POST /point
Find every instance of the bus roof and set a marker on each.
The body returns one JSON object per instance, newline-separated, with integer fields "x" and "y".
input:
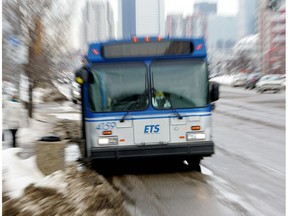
{"x": 146, "y": 48}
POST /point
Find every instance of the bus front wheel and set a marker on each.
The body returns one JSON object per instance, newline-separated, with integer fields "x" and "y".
{"x": 194, "y": 164}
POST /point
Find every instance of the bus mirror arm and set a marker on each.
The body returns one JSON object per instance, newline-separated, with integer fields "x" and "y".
{"x": 81, "y": 75}
{"x": 213, "y": 91}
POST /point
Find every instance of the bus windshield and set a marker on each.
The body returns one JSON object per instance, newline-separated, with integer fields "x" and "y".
{"x": 179, "y": 84}
{"x": 118, "y": 87}
{"x": 123, "y": 87}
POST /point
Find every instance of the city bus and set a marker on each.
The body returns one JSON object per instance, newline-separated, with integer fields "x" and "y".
{"x": 147, "y": 97}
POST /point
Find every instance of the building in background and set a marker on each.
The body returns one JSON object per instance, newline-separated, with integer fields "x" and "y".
{"x": 192, "y": 25}
{"x": 196, "y": 26}
{"x": 272, "y": 32}
{"x": 205, "y": 8}
{"x": 277, "y": 52}
{"x": 247, "y": 15}
{"x": 221, "y": 32}
{"x": 126, "y": 18}
{"x": 175, "y": 25}
{"x": 98, "y": 22}
{"x": 141, "y": 18}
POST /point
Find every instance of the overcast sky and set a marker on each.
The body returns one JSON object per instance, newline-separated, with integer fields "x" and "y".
{"x": 225, "y": 8}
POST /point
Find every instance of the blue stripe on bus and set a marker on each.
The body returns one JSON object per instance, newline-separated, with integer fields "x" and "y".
{"x": 149, "y": 111}
{"x": 142, "y": 118}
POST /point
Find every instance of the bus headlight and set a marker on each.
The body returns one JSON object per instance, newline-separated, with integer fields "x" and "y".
{"x": 108, "y": 141}
{"x": 195, "y": 136}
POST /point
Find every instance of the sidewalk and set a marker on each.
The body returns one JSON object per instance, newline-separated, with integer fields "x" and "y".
{"x": 40, "y": 126}
{"x": 27, "y": 137}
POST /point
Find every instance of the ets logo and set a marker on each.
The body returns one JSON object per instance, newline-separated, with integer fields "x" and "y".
{"x": 151, "y": 129}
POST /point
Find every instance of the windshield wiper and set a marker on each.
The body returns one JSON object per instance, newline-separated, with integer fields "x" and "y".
{"x": 135, "y": 104}
{"x": 176, "y": 113}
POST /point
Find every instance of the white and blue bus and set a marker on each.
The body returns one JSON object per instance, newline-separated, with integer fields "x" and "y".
{"x": 147, "y": 98}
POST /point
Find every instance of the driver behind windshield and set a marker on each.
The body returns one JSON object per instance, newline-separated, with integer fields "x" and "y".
{"x": 160, "y": 101}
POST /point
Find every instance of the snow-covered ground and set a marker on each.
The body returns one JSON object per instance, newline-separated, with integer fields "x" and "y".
{"x": 64, "y": 89}
{"x": 224, "y": 79}
{"x": 19, "y": 172}
{"x": 76, "y": 190}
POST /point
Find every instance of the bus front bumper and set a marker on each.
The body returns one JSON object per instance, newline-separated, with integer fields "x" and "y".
{"x": 198, "y": 149}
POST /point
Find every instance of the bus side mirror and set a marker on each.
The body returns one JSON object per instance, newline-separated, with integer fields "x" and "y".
{"x": 81, "y": 75}
{"x": 214, "y": 91}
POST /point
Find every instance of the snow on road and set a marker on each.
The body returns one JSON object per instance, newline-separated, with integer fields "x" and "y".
{"x": 64, "y": 89}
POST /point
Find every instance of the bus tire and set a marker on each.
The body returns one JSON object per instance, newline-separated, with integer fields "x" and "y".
{"x": 194, "y": 164}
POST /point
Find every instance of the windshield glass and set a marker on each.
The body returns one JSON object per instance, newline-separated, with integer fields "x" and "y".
{"x": 118, "y": 87}
{"x": 179, "y": 84}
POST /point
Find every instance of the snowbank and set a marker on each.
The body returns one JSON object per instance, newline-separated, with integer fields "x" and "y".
{"x": 64, "y": 89}
{"x": 224, "y": 80}
{"x": 38, "y": 94}
{"x": 18, "y": 173}
{"x": 75, "y": 191}
{"x": 41, "y": 95}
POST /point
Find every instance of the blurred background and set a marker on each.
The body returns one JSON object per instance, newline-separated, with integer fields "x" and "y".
{"x": 44, "y": 41}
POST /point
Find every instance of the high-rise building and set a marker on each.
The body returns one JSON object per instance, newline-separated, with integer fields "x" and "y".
{"x": 127, "y": 18}
{"x": 247, "y": 18}
{"x": 141, "y": 18}
{"x": 98, "y": 22}
{"x": 175, "y": 25}
{"x": 196, "y": 26}
{"x": 272, "y": 40}
{"x": 205, "y": 8}
{"x": 221, "y": 32}
{"x": 278, "y": 42}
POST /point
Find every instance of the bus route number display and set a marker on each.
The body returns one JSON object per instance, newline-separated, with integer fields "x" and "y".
{"x": 144, "y": 49}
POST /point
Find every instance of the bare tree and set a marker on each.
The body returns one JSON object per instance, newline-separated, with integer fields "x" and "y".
{"x": 45, "y": 30}
{"x": 243, "y": 62}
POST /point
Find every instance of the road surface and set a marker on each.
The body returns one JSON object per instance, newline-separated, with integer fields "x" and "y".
{"x": 245, "y": 176}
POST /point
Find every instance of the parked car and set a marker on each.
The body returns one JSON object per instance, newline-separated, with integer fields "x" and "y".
{"x": 239, "y": 79}
{"x": 251, "y": 80}
{"x": 75, "y": 92}
{"x": 284, "y": 81}
{"x": 270, "y": 82}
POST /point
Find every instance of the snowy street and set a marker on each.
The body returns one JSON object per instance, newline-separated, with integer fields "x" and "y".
{"x": 144, "y": 108}
{"x": 245, "y": 176}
